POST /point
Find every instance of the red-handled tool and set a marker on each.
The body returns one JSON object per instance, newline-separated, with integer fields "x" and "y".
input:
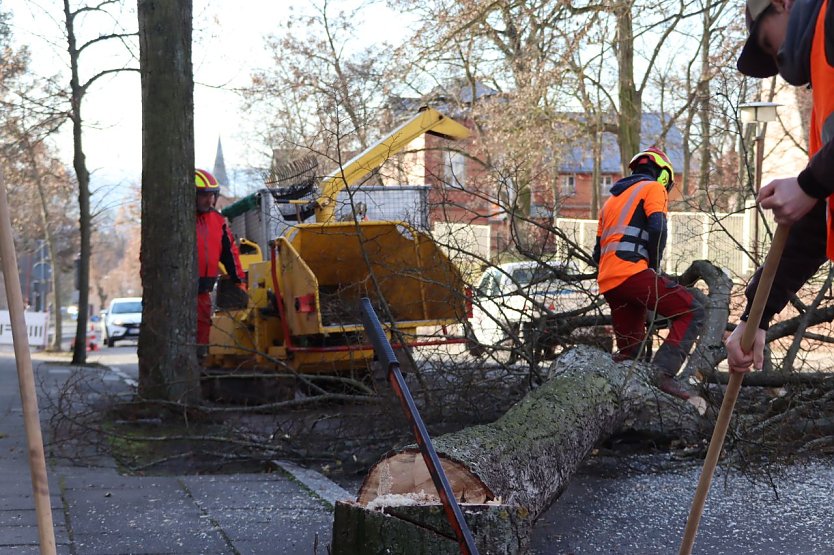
{"x": 385, "y": 354}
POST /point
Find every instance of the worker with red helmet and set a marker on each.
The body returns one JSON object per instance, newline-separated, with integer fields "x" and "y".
{"x": 215, "y": 244}
{"x": 631, "y": 236}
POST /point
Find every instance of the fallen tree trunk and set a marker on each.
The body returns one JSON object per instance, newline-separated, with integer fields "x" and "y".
{"x": 525, "y": 458}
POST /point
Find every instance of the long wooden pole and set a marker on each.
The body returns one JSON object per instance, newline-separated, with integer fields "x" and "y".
{"x": 26, "y": 377}
{"x": 733, "y": 387}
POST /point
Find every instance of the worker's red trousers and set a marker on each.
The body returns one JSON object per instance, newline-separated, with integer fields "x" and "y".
{"x": 631, "y": 300}
{"x": 203, "y": 317}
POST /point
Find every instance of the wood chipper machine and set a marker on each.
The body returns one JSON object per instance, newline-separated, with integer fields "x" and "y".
{"x": 303, "y": 308}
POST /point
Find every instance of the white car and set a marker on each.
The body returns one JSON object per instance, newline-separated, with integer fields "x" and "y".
{"x": 121, "y": 320}
{"x": 509, "y": 294}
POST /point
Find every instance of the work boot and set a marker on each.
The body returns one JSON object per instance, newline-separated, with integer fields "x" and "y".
{"x": 668, "y": 384}
{"x": 639, "y": 354}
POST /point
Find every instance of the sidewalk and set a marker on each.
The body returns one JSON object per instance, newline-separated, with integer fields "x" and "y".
{"x": 98, "y": 511}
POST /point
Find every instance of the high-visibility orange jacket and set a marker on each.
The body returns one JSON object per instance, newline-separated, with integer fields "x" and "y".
{"x": 216, "y": 244}
{"x": 822, "y": 122}
{"x": 807, "y": 57}
{"x": 631, "y": 231}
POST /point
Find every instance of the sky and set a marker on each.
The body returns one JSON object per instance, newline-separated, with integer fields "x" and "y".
{"x": 229, "y": 44}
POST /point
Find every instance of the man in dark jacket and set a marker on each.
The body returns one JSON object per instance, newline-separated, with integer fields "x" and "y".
{"x": 795, "y": 39}
{"x": 631, "y": 236}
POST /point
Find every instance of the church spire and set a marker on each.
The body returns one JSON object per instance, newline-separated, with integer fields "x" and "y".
{"x": 220, "y": 169}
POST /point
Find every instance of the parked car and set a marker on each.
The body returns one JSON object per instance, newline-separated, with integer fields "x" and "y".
{"x": 518, "y": 306}
{"x": 121, "y": 320}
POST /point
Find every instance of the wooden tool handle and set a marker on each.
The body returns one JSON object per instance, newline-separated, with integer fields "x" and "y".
{"x": 28, "y": 394}
{"x": 733, "y": 387}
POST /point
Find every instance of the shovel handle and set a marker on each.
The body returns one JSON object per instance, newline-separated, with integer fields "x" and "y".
{"x": 733, "y": 388}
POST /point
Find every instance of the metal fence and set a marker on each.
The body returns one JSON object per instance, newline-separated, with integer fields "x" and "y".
{"x": 263, "y": 221}
{"x": 727, "y": 240}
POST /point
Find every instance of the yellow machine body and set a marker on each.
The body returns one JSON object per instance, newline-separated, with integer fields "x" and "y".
{"x": 303, "y": 312}
{"x": 319, "y": 274}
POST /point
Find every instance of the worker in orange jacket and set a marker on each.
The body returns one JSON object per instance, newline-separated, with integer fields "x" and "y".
{"x": 215, "y": 244}
{"x": 631, "y": 236}
{"x": 795, "y": 39}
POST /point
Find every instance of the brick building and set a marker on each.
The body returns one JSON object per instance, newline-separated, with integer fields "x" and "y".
{"x": 577, "y": 167}
{"x": 464, "y": 191}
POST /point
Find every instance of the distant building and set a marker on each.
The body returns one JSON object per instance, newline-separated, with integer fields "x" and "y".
{"x": 465, "y": 192}
{"x": 227, "y": 195}
{"x": 219, "y": 170}
{"x": 577, "y": 166}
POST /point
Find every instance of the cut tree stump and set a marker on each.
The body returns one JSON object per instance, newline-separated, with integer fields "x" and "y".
{"x": 523, "y": 460}
{"x": 424, "y": 530}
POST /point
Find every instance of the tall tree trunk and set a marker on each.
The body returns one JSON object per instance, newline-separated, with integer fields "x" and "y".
{"x": 167, "y": 358}
{"x": 597, "y": 171}
{"x": 631, "y": 104}
{"x": 687, "y": 154}
{"x": 704, "y": 104}
{"x": 79, "y": 352}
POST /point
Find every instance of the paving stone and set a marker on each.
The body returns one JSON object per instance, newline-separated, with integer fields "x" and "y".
{"x": 232, "y": 494}
{"x": 28, "y": 517}
{"x": 60, "y": 549}
{"x": 153, "y": 542}
{"x": 149, "y": 509}
{"x": 263, "y": 524}
{"x": 28, "y": 535}
{"x": 112, "y": 514}
{"x": 25, "y": 501}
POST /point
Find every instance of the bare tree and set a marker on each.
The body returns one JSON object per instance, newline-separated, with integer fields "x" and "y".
{"x": 78, "y": 89}
{"x": 48, "y": 178}
{"x": 167, "y": 357}
{"x": 33, "y": 168}
{"x": 323, "y": 94}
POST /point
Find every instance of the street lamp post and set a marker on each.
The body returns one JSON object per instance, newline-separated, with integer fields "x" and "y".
{"x": 758, "y": 114}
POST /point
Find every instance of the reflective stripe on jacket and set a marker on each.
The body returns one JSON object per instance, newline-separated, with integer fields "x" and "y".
{"x": 216, "y": 244}
{"x": 822, "y": 115}
{"x": 623, "y": 234}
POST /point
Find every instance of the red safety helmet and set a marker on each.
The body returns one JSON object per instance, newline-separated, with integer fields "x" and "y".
{"x": 657, "y": 157}
{"x": 206, "y": 182}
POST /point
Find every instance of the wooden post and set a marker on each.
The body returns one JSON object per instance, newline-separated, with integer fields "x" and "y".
{"x": 28, "y": 396}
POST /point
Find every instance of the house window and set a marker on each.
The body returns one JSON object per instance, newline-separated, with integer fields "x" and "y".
{"x": 455, "y": 169}
{"x": 568, "y": 185}
{"x": 605, "y": 185}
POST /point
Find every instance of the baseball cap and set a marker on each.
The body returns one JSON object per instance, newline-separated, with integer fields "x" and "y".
{"x": 753, "y": 61}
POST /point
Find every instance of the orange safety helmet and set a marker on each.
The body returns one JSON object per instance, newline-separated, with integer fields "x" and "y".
{"x": 657, "y": 157}
{"x": 206, "y": 182}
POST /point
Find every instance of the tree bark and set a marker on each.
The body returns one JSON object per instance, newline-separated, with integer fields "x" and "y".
{"x": 167, "y": 359}
{"x": 709, "y": 349}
